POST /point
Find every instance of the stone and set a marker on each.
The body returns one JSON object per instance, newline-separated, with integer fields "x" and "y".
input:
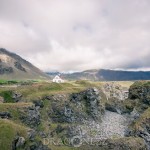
{"x": 31, "y": 135}
{"x": 18, "y": 142}
{"x": 16, "y": 96}
{"x": 31, "y": 116}
{"x": 5, "y": 115}
{"x": 38, "y": 103}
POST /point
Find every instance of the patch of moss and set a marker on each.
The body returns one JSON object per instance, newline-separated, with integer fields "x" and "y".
{"x": 8, "y": 131}
{"x": 7, "y": 95}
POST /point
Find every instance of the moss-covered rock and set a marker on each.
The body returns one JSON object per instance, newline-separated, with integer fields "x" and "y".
{"x": 141, "y": 127}
{"x": 140, "y": 90}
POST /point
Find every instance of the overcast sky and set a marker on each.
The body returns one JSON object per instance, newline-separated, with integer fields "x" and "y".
{"x": 75, "y": 35}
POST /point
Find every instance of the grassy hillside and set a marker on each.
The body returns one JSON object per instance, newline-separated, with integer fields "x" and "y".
{"x": 51, "y": 97}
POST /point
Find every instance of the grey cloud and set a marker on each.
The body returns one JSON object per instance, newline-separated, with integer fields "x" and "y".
{"x": 77, "y": 34}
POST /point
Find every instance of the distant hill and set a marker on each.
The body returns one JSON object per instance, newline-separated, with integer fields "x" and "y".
{"x": 107, "y": 75}
{"x": 13, "y": 67}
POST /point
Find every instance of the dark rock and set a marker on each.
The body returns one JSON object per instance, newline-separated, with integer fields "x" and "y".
{"x": 42, "y": 134}
{"x": 93, "y": 98}
{"x": 59, "y": 129}
{"x": 19, "y": 66}
{"x": 5, "y": 70}
{"x": 38, "y": 103}
{"x": 110, "y": 107}
{"x": 77, "y": 107}
{"x": 16, "y": 96}
{"x": 31, "y": 116}
{"x": 140, "y": 90}
{"x": 31, "y": 135}
{"x": 18, "y": 142}
{"x": 5, "y": 115}
{"x": 73, "y": 131}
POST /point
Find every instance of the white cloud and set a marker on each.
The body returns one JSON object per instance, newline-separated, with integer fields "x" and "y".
{"x": 77, "y": 34}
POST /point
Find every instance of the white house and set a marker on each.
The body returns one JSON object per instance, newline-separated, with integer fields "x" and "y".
{"x": 57, "y": 79}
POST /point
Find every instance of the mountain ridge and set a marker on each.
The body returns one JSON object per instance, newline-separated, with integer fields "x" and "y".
{"x": 105, "y": 75}
{"x": 12, "y": 66}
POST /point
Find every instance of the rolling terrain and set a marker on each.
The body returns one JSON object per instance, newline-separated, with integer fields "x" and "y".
{"x": 37, "y": 112}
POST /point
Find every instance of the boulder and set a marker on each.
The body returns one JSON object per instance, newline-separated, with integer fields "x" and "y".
{"x": 5, "y": 115}
{"x": 38, "y": 103}
{"x": 16, "y": 96}
{"x": 140, "y": 90}
{"x": 31, "y": 116}
{"x": 18, "y": 142}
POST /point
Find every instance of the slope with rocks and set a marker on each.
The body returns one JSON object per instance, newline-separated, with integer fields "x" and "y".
{"x": 13, "y": 67}
{"x": 73, "y": 111}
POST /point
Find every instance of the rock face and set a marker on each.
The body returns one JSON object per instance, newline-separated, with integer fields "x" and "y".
{"x": 31, "y": 116}
{"x": 83, "y": 105}
{"x": 113, "y": 90}
{"x": 19, "y": 66}
{"x": 139, "y": 94}
{"x": 18, "y": 143}
{"x": 5, "y": 115}
{"x": 140, "y": 90}
{"x": 94, "y": 108}
{"x": 5, "y": 70}
{"x": 16, "y": 96}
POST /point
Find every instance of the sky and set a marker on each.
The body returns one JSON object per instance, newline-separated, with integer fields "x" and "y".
{"x": 76, "y": 35}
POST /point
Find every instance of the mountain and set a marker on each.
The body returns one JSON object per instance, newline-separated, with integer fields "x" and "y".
{"x": 107, "y": 75}
{"x": 13, "y": 66}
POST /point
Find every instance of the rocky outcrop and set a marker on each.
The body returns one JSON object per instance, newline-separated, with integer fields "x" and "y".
{"x": 78, "y": 106}
{"x": 141, "y": 127}
{"x": 139, "y": 94}
{"x": 5, "y": 115}
{"x": 140, "y": 90}
{"x": 113, "y": 90}
{"x": 31, "y": 116}
{"x": 94, "y": 108}
{"x": 18, "y": 142}
{"x": 5, "y": 70}
{"x": 38, "y": 103}
{"x": 19, "y": 66}
{"x": 16, "y": 96}
{"x": 92, "y": 99}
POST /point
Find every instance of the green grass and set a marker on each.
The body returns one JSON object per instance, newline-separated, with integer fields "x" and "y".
{"x": 14, "y": 109}
{"x": 8, "y": 131}
{"x": 7, "y": 95}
